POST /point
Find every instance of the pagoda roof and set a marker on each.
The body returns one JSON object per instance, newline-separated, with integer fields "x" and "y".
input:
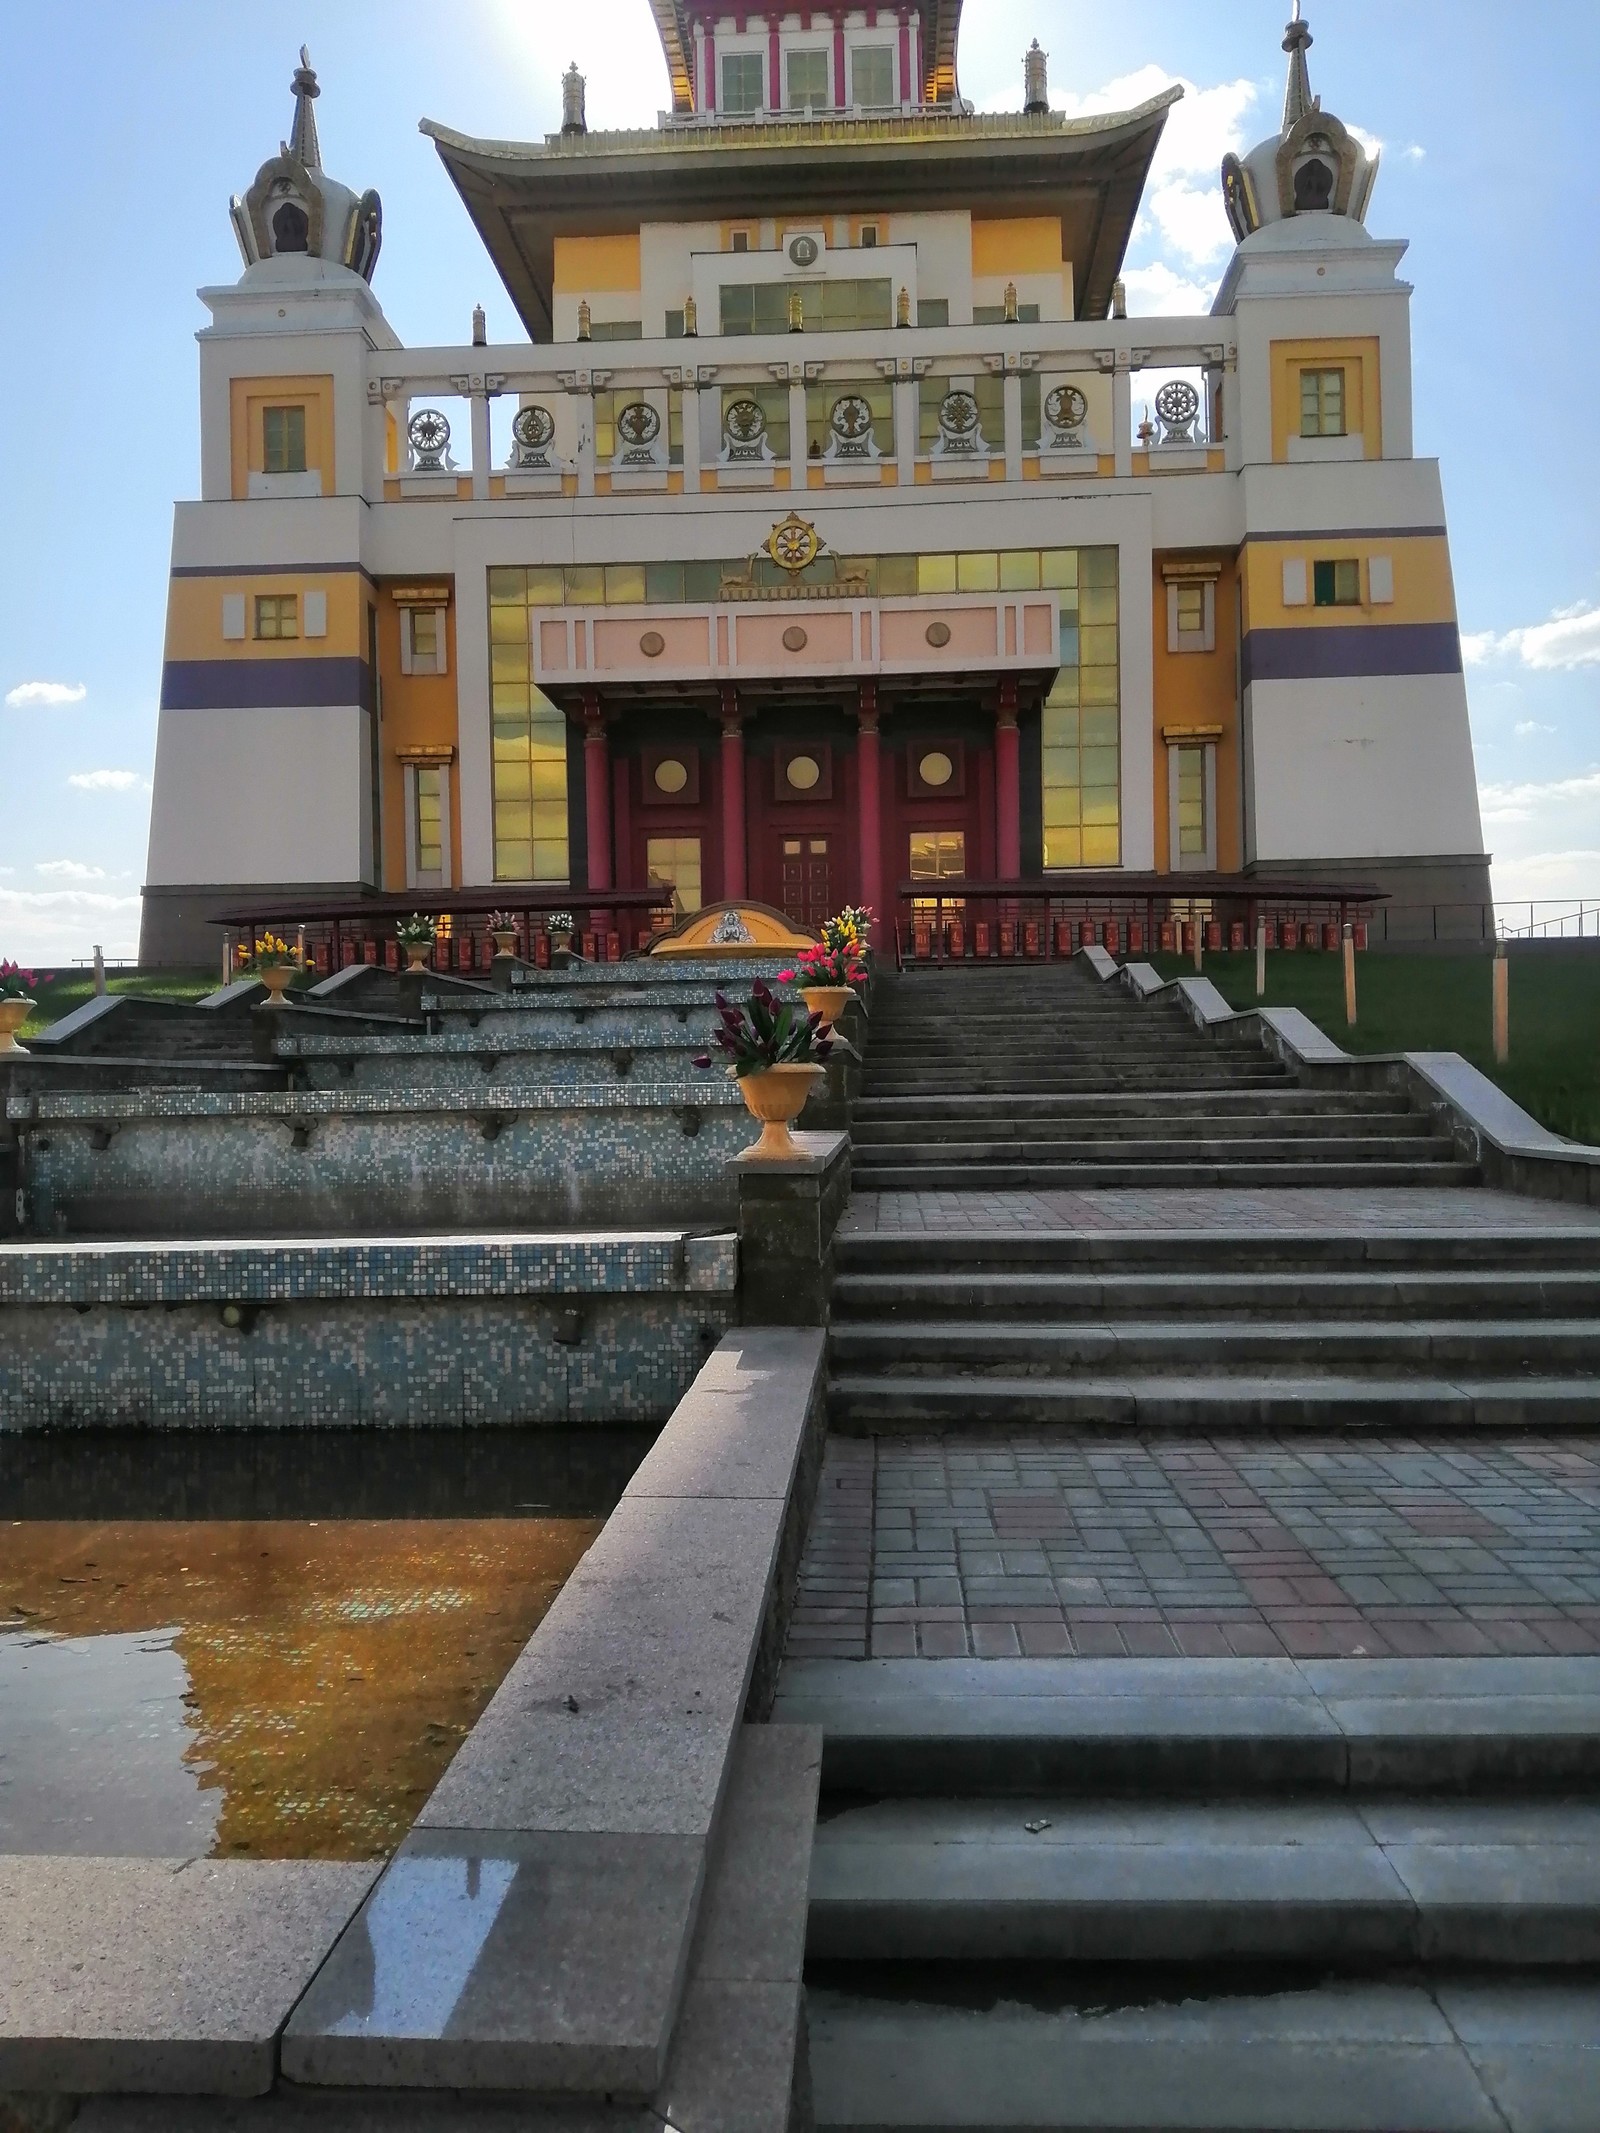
{"x": 675, "y": 23}
{"x": 1089, "y": 171}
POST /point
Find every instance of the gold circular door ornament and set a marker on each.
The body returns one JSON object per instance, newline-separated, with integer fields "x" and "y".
{"x": 671, "y": 775}
{"x": 652, "y": 644}
{"x": 936, "y": 768}
{"x": 938, "y": 635}
{"x": 793, "y": 543}
{"x": 794, "y": 638}
{"x": 803, "y": 772}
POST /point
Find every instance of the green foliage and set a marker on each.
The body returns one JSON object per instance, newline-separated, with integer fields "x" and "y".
{"x": 768, "y": 1032}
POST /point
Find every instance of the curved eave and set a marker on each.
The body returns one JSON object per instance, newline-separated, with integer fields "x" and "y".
{"x": 673, "y": 26}
{"x": 1091, "y": 171}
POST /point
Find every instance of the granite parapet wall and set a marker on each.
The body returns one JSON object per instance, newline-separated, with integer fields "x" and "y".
{"x": 413, "y": 1333}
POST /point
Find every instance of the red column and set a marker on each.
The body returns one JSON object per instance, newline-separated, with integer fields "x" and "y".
{"x": 710, "y": 103}
{"x": 841, "y": 88}
{"x": 774, "y": 66}
{"x": 1007, "y": 787}
{"x": 733, "y": 845}
{"x": 597, "y": 791}
{"x": 906, "y": 94}
{"x": 870, "y": 822}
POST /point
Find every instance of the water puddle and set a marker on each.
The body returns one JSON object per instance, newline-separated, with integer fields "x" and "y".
{"x": 284, "y": 1667}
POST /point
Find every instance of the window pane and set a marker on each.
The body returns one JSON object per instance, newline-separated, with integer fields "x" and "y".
{"x": 872, "y": 75}
{"x": 529, "y": 770}
{"x": 1058, "y": 569}
{"x": 674, "y": 863}
{"x": 586, "y": 584}
{"x": 1191, "y": 602}
{"x": 809, "y": 86}
{"x": 897, "y": 576}
{"x": 933, "y": 310}
{"x": 743, "y": 85}
{"x": 1098, "y": 603}
{"x": 624, "y": 584}
{"x": 978, "y": 573}
{"x": 936, "y": 574}
{"x": 1019, "y": 570}
{"x": 545, "y": 587}
{"x": 507, "y": 588}
{"x": 283, "y": 439}
{"x": 425, "y": 633}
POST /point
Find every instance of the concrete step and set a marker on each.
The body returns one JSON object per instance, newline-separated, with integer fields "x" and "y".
{"x": 1280, "y": 1100}
{"x": 1501, "y": 1292}
{"x": 1202, "y": 1252}
{"x": 1058, "y": 1879}
{"x": 1257, "y": 1399}
{"x": 1173, "y": 1144}
{"x": 1199, "y": 1728}
{"x": 1202, "y": 2053}
{"x": 872, "y": 1176}
{"x": 1488, "y": 1348}
{"x": 1197, "y": 1128}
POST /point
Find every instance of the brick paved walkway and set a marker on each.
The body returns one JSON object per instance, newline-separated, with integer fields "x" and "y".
{"x": 1085, "y": 1546}
{"x": 1313, "y": 1208}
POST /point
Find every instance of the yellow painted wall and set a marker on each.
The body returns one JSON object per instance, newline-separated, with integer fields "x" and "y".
{"x": 1424, "y": 589}
{"x": 419, "y": 711}
{"x": 1027, "y": 244}
{"x": 1201, "y": 689}
{"x": 1363, "y": 414}
{"x": 585, "y": 265}
{"x": 194, "y": 617}
{"x": 247, "y": 398}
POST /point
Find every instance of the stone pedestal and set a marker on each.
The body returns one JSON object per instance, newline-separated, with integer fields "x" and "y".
{"x": 788, "y": 1212}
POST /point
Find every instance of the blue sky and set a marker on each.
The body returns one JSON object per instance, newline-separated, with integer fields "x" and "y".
{"x": 131, "y": 121}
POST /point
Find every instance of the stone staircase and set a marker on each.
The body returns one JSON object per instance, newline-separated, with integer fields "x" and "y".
{"x": 1216, "y": 1319}
{"x": 1219, "y": 1897}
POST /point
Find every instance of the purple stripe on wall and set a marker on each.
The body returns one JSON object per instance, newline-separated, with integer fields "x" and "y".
{"x": 263, "y": 684}
{"x": 1359, "y": 649}
{"x": 274, "y": 570}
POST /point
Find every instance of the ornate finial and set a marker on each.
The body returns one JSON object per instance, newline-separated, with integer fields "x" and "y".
{"x": 1297, "y": 97}
{"x": 1035, "y": 80}
{"x": 691, "y": 319}
{"x": 574, "y": 118}
{"x": 585, "y": 320}
{"x": 480, "y": 327}
{"x": 797, "y": 312}
{"x": 1011, "y": 303}
{"x": 902, "y": 307}
{"x": 302, "y": 142}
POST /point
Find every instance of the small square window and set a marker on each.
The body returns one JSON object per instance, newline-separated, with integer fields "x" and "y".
{"x": 872, "y": 76}
{"x": 1322, "y": 403}
{"x": 283, "y": 440}
{"x": 743, "y": 83}
{"x": 869, "y": 236}
{"x": 809, "y": 86}
{"x": 1336, "y": 584}
{"x": 428, "y": 852}
{"x": 1191, "y": 609}
{"x": 277, "y": 615}
{"x": 1191, "y": 803}
{"x": 740, "y": 241}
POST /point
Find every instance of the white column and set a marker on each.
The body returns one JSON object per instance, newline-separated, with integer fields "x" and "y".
{"x": 480, "y": 445}
{"x": 905, "y": 430}
{"x": 1232, "y": 419}
{"x": 1122, "y": 415}
{"x": 1013, "y": 407}
{"x": 797, "y": 427}
{"x": 691, "y": 435}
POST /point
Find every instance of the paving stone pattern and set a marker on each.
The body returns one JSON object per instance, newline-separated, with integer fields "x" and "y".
{"x": 1303, "y": 1210}
{"x": 1055, "y": 1547}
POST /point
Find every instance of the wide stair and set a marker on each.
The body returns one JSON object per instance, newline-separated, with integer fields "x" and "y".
{"x": 1213, "y": 1317}
{"x": 1226, "y": 1897}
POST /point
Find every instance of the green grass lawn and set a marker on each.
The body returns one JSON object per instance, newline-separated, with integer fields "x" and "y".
{"x": 1441, "y": 1003}
{"x": 60, "y": 991}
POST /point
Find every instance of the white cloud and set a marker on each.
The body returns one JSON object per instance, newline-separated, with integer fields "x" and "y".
{"x": 1524, "y": 802}
{"x": 44, "y": 927}
{"x": 107, "y": 781}
{"x": 1413, "y": 152}
{"x": 1184, "y": 196}
{"x": 1156, "y": 291}
{"x": 32, "y": 695}
{"x": 1526, "y": 728}
{"x": 1571, "y": 638}
{"x": 69, "y": 870}
{"x": 1548, "y": 877}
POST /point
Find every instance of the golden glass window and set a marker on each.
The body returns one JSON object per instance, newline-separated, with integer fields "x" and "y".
{"x": 1322, "y": 403}
{"x": 809, "y": 86}
{"x": 429, "y": 852}
{"x": 1191, "y": 803}
{"x": 938, "y": 855}
{"x": 743, "y": 83}
{"x": 1336, "y": 584}
{"x": 529, "y": 742}
{"x": 872, "y": 76}
{"x": 277, "y": 615}
{"x": 1191, "y": 609}
{"x": 673, "y": 864}
{"x": 1080, "y": 733}
{"x": 283, "y": 440}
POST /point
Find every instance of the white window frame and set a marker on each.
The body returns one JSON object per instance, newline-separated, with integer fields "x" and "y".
{"x": 809, "y": 50}
{"x": 879, "y": 38}
{"x": 411, "y": 661}
{"x": 1206, "y": 862}
{"x": 415, "y": 878}
{"x": 1203, "y": 639}
{"x": 750, "y": 48}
